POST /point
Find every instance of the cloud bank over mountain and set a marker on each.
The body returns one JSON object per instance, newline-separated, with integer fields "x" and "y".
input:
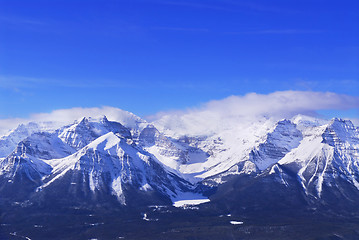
{"x": 281, "y": 104}
{"x": 253, "y": 106}
{"x": 65, "y": 116}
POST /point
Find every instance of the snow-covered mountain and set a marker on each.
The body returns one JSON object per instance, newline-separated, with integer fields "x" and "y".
{"x": 94, "y": 159}
{"x": 9, "y": 141}
{"x": 327, "y": 154}
{"x": 88, "y": 159}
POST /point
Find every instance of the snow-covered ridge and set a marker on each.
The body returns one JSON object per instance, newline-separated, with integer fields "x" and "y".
{"x": 108, "y": 160}
{"x": 326, "y": 153}
{"x": 112, "y": 157}
{"x": 99, "y": 156}
{"x": 9, "y": 141}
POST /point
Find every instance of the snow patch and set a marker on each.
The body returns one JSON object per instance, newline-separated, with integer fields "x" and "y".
{"x": 236, "y": 222}
{"x": 189, "y": 198}
{"x": 117, "y": 189}
{"x": 146, "y": 187}
{"x": 145, "y": 218}
{"x": 356, "y": 184}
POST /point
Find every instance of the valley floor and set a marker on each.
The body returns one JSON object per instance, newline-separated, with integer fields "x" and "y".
{"x": 166, "y": 222}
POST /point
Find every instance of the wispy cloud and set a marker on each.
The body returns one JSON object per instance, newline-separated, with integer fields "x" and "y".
{"x": 18, "y": 23}
{"x": 337, "y": 85}
{"x": 198, "y": 5}
{"x": 250, "y": 32}
{"x": 15, "y": 20}
{"x": 277, "y": 31}
{"x": 18, "y": 82}
{"x": 251, "y": 5}
{"x": 182, "y": 29}
{"x": 232, "y": 6}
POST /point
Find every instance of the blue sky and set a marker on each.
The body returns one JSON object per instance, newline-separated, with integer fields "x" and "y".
{"x": 159, "y": 55}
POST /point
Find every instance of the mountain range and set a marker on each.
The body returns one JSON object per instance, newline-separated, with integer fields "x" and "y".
{"x": 301, "y": 167}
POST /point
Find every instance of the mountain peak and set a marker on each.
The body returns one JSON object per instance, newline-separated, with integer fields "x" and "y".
{"x": 103, "y": 118}
{"x": 100, "y": 119}
{"x": 284, "y": 122}
{"x": 284, "y": 137}
{"x": 336, "y": 122}
{"x": 303, "y": 121}
{"x": 339, "y": 131}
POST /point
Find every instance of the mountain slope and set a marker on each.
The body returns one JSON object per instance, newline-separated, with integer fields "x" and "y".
{"x": 328, "y": 154}
{"x": 9, "y": 142}
{"x": 90, "y": 160}
{"x": 20, "y": 174}
{"x": 111, "y": 165}
{"x": 320, "y": 175}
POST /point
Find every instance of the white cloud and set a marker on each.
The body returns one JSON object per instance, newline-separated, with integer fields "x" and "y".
{"x": 234, "y": 109}
{"x": 214, "y": 114}
{"x": 283, "y": 104}
{"x": 65, "y": 116}
{"x": 355, "y": 121}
